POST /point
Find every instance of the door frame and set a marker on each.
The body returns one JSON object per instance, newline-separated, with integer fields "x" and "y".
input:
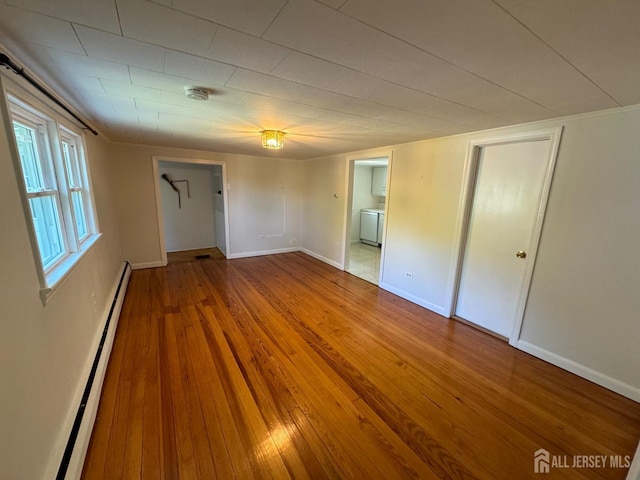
{"x": 348, "y": 194}
{"x": 464, "y": 214}
{"x": 156, "y": 185}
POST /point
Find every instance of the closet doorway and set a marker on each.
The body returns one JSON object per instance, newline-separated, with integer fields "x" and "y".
{"x": 192, "y": 206}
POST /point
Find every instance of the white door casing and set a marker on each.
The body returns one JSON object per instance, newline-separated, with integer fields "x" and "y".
{"x": 507, "y": 192}
{"x": 348, "y": 194}
{"x": 225, "y": 199}
{"x": 504, "y": 197}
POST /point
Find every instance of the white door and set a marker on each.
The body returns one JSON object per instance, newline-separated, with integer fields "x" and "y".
{"x": 506, "y": 199}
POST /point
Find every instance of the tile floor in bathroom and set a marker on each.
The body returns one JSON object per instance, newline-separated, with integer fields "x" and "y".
{"x": 364, "y": 262}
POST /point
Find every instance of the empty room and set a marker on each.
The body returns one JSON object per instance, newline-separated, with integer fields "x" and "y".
{"x": 319, "y": 239}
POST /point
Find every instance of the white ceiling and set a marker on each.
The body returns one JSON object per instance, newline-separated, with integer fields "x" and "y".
{"x": 335, "y": 75}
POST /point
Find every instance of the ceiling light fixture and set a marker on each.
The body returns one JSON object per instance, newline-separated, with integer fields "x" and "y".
{"x": 197, "y": 93}
{"x": 272, "y": 139}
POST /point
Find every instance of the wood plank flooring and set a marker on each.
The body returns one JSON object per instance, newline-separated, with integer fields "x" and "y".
{"x": 190, "y": 255}
{"x": 283, "y": 367}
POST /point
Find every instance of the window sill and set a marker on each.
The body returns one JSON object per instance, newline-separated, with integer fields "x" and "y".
{"x": 59, "y": 275}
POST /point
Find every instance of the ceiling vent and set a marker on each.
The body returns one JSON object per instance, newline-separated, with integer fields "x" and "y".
{"x": 197, "y": 93}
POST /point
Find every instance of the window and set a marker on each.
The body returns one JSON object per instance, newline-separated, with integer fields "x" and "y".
{"x": 56, "y": 187}
{"x": 76, "y": 177}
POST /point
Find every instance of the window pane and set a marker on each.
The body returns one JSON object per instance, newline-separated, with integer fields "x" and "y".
{"x": 71, "y": 162}
{"x": 26, "y": 139}
{"x": 46, "y": 222}
{"x": 78, "y": 210}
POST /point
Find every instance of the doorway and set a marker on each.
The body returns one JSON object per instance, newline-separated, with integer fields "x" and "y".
{"x": 366, "y": 209}
{"x": 508, "y": 187}
{"x": 192, "y": 205}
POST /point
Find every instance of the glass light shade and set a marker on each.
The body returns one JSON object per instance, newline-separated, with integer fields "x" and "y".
{"x": 272, "y": 139}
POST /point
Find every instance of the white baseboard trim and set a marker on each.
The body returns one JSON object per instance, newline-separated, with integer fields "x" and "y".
{"x": 412, "y": 298}
{"x": 76, "y": 463}
{"x": 322, "y": 259}
{"x": 261, "y": 253}
{"x": 634, "y": 469}
{"x": 140, "y": 266}
{"x": 601, "y": 379}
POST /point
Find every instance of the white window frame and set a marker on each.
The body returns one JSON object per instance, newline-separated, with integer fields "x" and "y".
{"x": 78, "y": 181}
{"x": 60, "y": 184}
{"x": 51, "y": 189}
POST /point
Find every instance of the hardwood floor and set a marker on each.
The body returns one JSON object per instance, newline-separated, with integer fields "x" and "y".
{"x": 284, "y": 367}
{"x": 191, "y": 255}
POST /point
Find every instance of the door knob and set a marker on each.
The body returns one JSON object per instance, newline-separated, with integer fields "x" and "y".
{"x": 521, "y": 254}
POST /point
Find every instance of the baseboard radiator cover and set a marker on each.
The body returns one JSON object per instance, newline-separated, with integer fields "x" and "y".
{"x": 76, "y": 448}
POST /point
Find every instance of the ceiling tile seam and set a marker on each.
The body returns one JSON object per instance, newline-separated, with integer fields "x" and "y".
{"x": 450, "y": 63}
{"x": 104, "y": 90}
{"x": 38, "y": 13}
{"x": 166, "y": 49}
{"x": 60, "y": 91}
{"x": 331, "y": 111}
{"x": 398, "y": 109}
{"x": 230, "y": 77}
{"x": 73, "y": 27}
{"x": 190, "y": 14}
{"x": 380, "y": 104}
{"x": 541, "y": 40}
{"x": 148, "y": 43}
{"x": 323, "y": 109}
{"x": 235, "y": 67}
{"x": 281, "y": 61}
{"x": 373, "y": 129}
{"x": 280, "y": 45}
{"x": 164, "y": 65}
{"x": 347, "y": 96}
{"x": 214, "y": 24}
{"x": 421, "y": 92}
{"x": 215, "y": 33}
{"x": 115, "y": 4}
{"x": 309, "y": 105}
{"x": 274, "y": 18}
{"x": 91, "y": 27}
{"x": 105, "y": 59}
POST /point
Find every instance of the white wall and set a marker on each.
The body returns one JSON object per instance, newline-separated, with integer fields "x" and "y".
{"x": 362, "y": 198}
{"x": 46, "y": 351}
{"x": 583, "y": 302}
{"x": 323, "y": 208}
{"x": 193, "y": 225}
{"x": 264, "y": 201}
{"x": 264, "y": 204}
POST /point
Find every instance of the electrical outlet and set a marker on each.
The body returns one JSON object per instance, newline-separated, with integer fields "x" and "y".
{"x": 409, "y": 275}
{"x": 293, "y": 241}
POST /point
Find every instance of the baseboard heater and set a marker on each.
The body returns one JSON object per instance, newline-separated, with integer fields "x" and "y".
{"x": 73, "y": 436}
